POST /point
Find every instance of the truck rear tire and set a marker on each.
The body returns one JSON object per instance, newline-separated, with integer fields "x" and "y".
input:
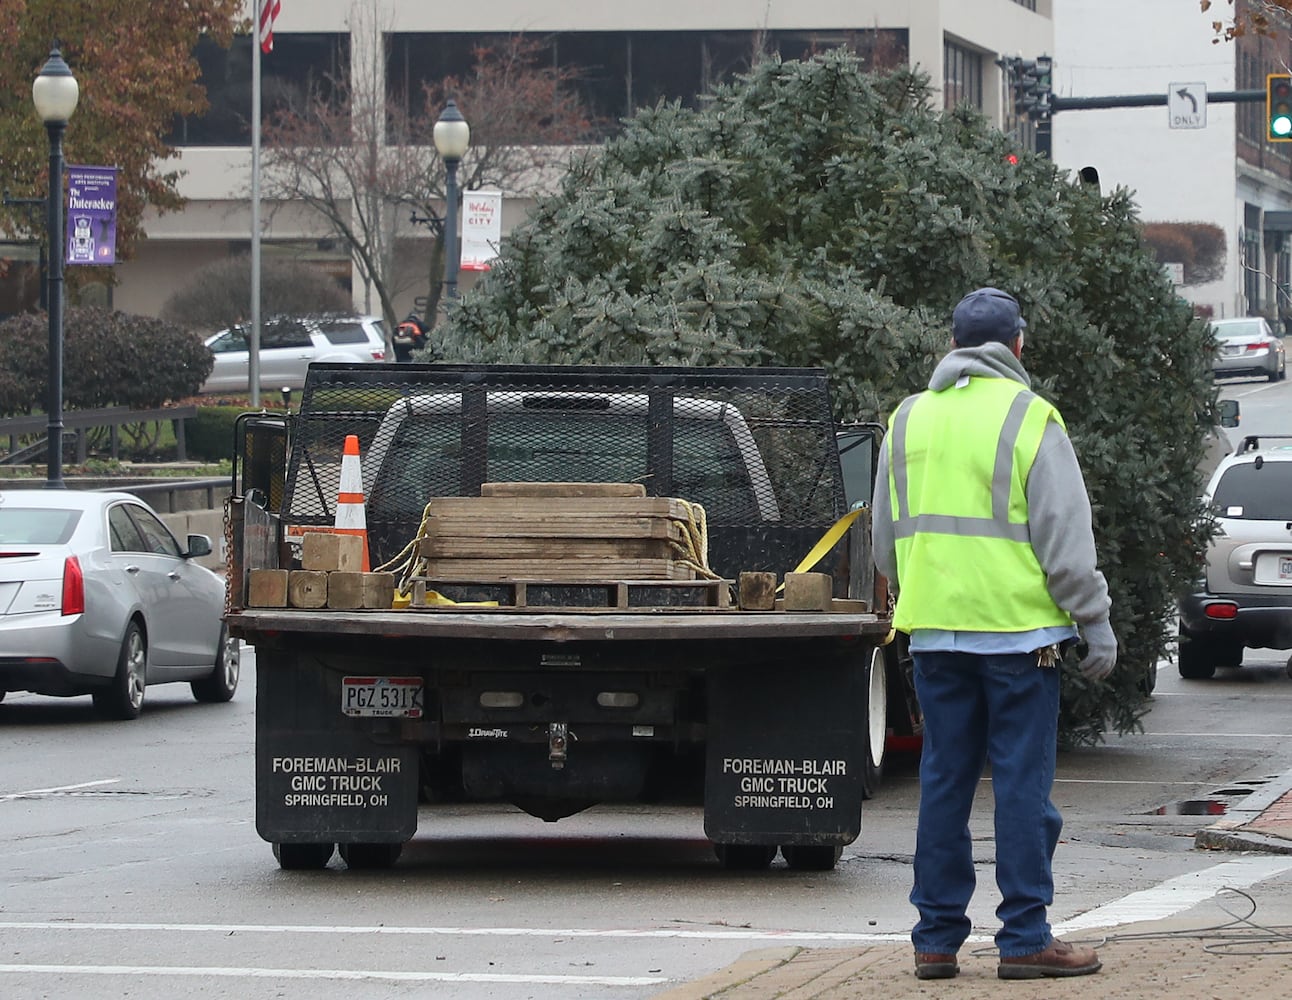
{"x": 811, "y": 857}
{"x": 744, "y": 857}
{"x": 876, "y": 717}
{"x": 303, "y": 857}
{"x": 368, "y": 856}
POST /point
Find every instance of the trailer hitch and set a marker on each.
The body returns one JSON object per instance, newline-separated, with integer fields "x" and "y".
{"x": 557, "y": 741}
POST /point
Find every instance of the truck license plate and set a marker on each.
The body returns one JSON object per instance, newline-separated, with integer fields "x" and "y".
{"x": 385, "y": 697}
{"x": 1285, "y": 567}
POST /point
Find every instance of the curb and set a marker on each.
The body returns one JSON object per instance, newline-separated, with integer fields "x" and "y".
{"x": 1233, "y": 833}
{"x": 748, "y": 966}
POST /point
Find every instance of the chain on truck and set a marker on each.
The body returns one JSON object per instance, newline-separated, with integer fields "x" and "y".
{"x": 581, "y": 585}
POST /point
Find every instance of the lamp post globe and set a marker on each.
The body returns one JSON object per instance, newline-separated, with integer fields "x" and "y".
{"x": 55, "y": 93}
{"x": 452, "y": 136}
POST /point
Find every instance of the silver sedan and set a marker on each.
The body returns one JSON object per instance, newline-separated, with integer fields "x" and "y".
{"x": 1247, "y": 346}
{"x": 97, "y": 597}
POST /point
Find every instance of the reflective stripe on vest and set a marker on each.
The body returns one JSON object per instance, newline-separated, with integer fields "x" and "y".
{"x": 965, "y": 562}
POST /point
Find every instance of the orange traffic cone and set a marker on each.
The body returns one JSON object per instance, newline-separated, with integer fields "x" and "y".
{"x": 350, "y": 518}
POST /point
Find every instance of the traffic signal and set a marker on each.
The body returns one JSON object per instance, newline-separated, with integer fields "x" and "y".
{"x": 1278, "y": 106}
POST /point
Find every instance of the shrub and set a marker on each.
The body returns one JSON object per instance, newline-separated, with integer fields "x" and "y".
{"x": 1199, "y": 246}
{"x": 217, "y": 295}
{"x": 109, "y": 359}
{"x": 209, "y": 436}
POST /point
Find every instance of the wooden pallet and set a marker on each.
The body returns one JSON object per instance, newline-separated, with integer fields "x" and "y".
{"x": 592, "y": 595}
{"x": 587, "y": 566}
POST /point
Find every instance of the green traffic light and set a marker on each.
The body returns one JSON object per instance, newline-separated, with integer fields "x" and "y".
{"x": 1278, "y": 107}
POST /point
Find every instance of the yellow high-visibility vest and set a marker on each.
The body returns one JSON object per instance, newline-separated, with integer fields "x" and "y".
{"x": 958, "y": 462}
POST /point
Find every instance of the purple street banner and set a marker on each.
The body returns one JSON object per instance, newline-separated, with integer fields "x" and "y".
{"x": 91, "y": 215}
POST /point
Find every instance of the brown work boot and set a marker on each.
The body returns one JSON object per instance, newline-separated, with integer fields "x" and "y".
{"x": 1058, "y": 959}
{"x": 933, "y": 965}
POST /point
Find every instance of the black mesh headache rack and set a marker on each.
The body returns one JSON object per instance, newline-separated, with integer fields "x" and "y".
{"x": 754, "y": 446}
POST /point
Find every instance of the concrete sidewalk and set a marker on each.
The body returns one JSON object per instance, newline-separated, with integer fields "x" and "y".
{"x": 1176, "y": 957}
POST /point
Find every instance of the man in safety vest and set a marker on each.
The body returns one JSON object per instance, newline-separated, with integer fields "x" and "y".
{"x": 982, "y": 522}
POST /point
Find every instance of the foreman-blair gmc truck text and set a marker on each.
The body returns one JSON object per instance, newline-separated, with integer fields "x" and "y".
{"x": 556, "y": 644}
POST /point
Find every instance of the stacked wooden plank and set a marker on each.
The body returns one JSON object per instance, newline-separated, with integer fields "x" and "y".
{"x": 556, "y": 532}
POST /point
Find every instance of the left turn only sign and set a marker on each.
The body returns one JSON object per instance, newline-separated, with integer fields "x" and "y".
{"x": 1186, "y": 105}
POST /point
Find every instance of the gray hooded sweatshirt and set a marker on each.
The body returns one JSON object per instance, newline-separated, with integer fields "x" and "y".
{"x": 1058, "y": 508}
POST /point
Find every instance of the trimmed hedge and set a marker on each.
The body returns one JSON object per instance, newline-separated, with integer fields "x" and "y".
{"x": 109, "y": 359}
{"x": 209, "y": 436}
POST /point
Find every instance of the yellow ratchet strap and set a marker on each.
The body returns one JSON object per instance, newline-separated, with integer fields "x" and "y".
{"x": 827, "y": 542}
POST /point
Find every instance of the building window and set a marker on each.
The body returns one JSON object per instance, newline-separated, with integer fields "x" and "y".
{"x": 301, "y": 66}
{"x": 1029, "y": 4}
{"x": 961, "y": 76}
{"x": 618, "y": 72}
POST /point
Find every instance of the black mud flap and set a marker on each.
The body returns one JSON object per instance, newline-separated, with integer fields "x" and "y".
{"x": 320, "y": 776}
{"x": 784, "y": 757}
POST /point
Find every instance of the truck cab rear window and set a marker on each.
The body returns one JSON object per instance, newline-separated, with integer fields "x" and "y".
{"x": 565, "y": 446}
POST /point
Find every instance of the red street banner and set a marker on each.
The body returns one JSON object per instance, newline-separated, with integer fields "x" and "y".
{"x": 91, "y": 215}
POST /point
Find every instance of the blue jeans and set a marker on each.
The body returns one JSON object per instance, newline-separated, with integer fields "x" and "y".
{"x": 1001, "y": 708}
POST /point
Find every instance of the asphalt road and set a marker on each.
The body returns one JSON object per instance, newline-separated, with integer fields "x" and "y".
{"x": 1266, "y": 407}
{"x": 134, "y": 868}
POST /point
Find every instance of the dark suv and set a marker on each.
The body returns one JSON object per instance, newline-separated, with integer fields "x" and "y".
{"x": 1245, "y": 600}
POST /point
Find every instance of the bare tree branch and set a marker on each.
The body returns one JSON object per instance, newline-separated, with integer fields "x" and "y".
{"x": 365, "y": 165}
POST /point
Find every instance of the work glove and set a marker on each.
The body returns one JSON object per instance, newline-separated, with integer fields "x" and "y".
{"x": 1101, "y": 650}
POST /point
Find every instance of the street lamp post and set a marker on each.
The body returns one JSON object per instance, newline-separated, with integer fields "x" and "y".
{"x": 55, "y": 93}
{"x": 452, "y": 136}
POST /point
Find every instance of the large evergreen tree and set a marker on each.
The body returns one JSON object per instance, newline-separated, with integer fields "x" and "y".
{"x": 812, "y": 214}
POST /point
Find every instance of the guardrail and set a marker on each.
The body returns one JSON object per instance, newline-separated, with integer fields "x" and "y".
{"x": 82, "y": 421}
{"x": 166, "y": 496}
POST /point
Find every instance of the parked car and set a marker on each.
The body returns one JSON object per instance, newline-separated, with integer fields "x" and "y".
{"x": 1245, "y": 597}
{"x": 1247, "y": 346}
{"x": 97, "y": 597}
{"x": 287, "y": 347}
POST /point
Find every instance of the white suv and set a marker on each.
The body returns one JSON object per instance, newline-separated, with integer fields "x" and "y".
{"x": 1245, "y": 599}
{"x": 288, "y": 345}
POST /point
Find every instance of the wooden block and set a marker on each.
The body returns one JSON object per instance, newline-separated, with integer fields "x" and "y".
{"x": 378, "y": 590}
{"x": 757, "y": 591}
{"x": 307, "y": 588}
{"x": 808, "y": 591}
{"x": 267, "y": 588}
{"x": 849, "y": 606}
{"x": 562, "y": 490}
{"x": 328, "y": 552}
{"x": 344, "y": 590}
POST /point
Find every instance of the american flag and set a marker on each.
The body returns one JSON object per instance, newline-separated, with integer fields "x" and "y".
{"x": 268, "y": 11}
